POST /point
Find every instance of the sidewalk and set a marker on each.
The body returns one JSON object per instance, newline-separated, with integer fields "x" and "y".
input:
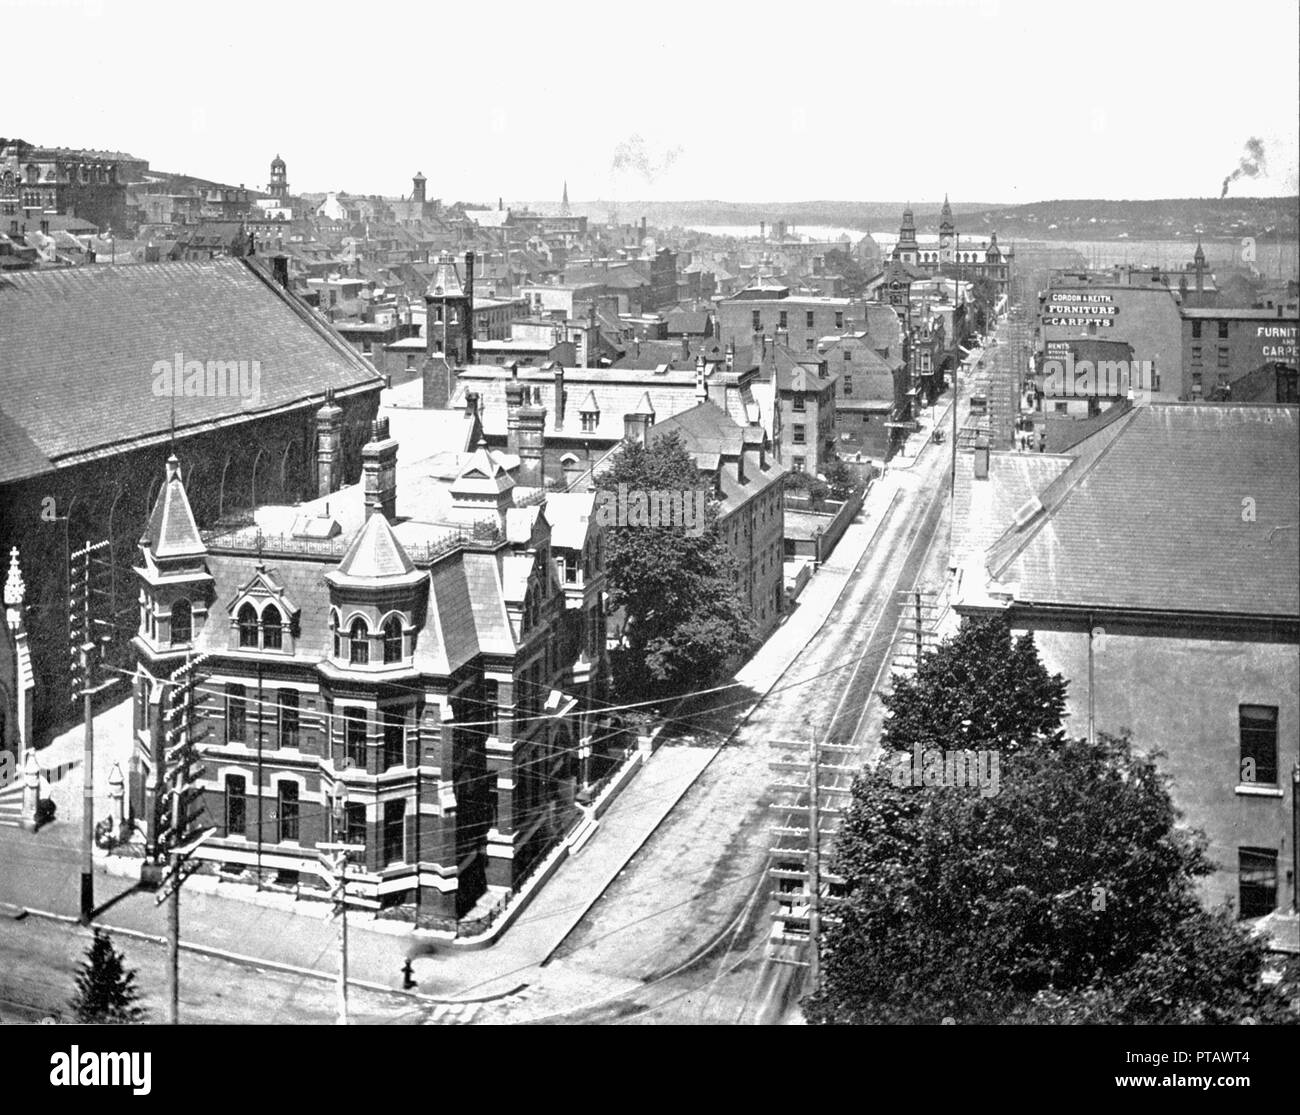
{"x": 232, "y": 920}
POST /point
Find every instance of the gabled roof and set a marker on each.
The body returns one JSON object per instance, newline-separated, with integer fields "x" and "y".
{"x": 172, "y": 531}
{"x": 81, "y": 346}
{"x": 1174, "y": 507}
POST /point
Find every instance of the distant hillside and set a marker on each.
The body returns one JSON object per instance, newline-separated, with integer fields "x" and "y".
{"x": 1064, "y": 219}
{"x": 1171, "y": 218}
{"x": 864, "y": 215}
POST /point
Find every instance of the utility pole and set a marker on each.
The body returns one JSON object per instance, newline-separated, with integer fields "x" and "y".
{"x": 80, "y": 578}
{"x": 796, "y": 855}
{"x": 334, "y": 860}
{"x": 814, "y": 868}
{"x": 179, "y": 793}
{"x": 1295, "y": 835}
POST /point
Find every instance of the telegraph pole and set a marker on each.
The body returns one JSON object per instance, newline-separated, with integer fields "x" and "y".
{"x": 178, "y": 789}
{"x": 335, "y": 862}
{"x": 814, "y": 868}
{"x": 80, "y": 578}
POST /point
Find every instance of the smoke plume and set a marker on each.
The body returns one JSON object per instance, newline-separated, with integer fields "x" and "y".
{"x": 1251, "y": 165}
{"x": 632, "y": 156}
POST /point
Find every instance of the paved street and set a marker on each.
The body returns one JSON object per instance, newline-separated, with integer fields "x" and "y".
{"x": 662, "y": 916}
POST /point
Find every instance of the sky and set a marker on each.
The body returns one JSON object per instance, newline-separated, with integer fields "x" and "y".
{"x": 986, "y": 100}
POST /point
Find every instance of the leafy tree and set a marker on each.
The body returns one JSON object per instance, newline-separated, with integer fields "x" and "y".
{"x": 676, "y": 586}
{"x": 106, "y": 989}
{"x": 1067, "y": 896}
{"x": 842, "y": 479}
{"x": 981, "y": 686}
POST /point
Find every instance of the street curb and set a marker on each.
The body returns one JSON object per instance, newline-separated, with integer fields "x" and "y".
{"x": 713, "y": 943}
{"x": 257, "y": 962}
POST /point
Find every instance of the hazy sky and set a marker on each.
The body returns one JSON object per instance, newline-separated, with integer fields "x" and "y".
{"x": 989, "y": 100}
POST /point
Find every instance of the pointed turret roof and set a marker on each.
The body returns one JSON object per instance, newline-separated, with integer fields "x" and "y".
{"x": 375, "y": 554}
{"x": 172, "y": 531}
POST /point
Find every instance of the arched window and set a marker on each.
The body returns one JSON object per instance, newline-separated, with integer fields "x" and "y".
{"x": 359, "y": 639}
{"x": 272, "y": 628}
{"x": 247, "y": 626}
{"x": 393, "y": 639}
{"x": 182, "y": 627}
{"x": 334, "y": 631}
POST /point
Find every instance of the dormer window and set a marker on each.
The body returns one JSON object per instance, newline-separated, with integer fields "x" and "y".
{"x": 248, "y": 627}
{"x": 182, "y": 622}
{"x": 590, "y": 420}
{"x": 272, "y": 628}
{"x": 359, "y": 643}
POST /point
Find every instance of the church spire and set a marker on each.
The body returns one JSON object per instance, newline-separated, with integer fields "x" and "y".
{"x": 564, "y": 203}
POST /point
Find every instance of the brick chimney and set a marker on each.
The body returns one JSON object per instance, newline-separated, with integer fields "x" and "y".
{"x": 469, "y": 295}
{"x": 531, "y": 437}
{"x": 514, "y": 402}
{"x": 686, "y": 347}
{"x": 329, "y": 468}
{"x": 559, "y": 396}
{"x": 279, "y": 270}
{"x": 379, "y": 471}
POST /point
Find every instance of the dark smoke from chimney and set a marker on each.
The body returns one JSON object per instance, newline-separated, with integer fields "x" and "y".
{"x": 1251, "y": 165}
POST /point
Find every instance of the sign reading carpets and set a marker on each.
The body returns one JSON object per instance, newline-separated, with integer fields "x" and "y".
{"x": 1277, "y": 342}
{"x": 1077, "y": 308}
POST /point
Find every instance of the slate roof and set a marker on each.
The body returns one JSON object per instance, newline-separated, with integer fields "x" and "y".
{"x": 615, "y": 392}
{"x": 80, "y": 346}
{"x": 171, "y": 530}
{"x": 1151, "y": 515}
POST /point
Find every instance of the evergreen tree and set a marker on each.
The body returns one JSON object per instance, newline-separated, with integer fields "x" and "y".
{"x": 106, "y": 989}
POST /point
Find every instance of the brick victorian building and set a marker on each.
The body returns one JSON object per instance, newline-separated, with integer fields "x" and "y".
{"x": 424, "y": 641}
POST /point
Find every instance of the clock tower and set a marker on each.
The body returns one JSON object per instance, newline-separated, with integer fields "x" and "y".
{"x": 947, "y": 233}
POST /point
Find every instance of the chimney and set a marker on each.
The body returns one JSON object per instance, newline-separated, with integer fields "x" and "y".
{"x": 686, "y": 347}
{"x": 559, "y": 396}
{"x": 731, "y": 356}
{"x": 469, "y": 309}
{"x": 279, "y": 269}
{"x": 514, "y": 401}
{"x": 329, "y": 467}
{"x": 701, "y": 387}
{"x": 471, "y": 404}
{"x": 379, "y": 471}
{"x": 530, "y": 427}
{"x": 981, "y": 458}
{"x": 417, "y": 193}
